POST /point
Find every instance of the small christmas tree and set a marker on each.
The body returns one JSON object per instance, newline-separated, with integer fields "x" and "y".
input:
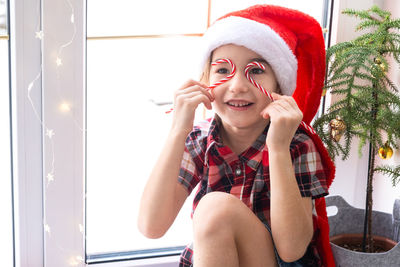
{"x": 369, "y": 103}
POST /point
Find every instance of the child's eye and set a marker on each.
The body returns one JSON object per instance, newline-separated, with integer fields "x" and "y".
{"x": 222, "y": 71}
{"x": 256, "y": 71}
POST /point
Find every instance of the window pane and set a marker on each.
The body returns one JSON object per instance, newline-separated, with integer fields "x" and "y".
{"x": 130, "y": 83}
{"x": 6, "y": 229}
{"x": 125, "y": 130}
{"x": 136, "y": 17}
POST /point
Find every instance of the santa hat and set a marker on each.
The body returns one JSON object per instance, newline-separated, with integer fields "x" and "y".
{"x": 289, "y": 40}
{"x": 293, "y": 45}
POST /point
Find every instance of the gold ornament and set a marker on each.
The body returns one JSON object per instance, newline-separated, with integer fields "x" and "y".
{"x": 377, "y": 61}
{"x": 382, "y": 66}
{"x": 385, "y": 152}
{"x": 337, "y": 128}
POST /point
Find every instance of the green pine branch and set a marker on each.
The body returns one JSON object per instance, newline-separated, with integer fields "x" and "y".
{"x": 393, "y": 173}
{"x": 368, "y": 101}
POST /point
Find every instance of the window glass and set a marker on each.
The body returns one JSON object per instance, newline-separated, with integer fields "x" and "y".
{"x": 6, "y": 229}
{"x": 127, "y": 90}
{"x": 136, "y": 17}
{"x": 133, "y": 67}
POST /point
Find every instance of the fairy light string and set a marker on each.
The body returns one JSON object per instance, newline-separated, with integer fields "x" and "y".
{"x": 49, "y": 177}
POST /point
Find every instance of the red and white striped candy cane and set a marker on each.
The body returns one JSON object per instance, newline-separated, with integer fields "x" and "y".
{"x": 223, "y": 80}
{"x": 227, "y": 78}
{"x": 259, "y": 86}
{"x": 308, "y": 127}
{"x": 246, "y": 71}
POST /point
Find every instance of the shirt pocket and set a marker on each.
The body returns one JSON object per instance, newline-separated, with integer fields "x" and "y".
{"x": 259, "y": 182}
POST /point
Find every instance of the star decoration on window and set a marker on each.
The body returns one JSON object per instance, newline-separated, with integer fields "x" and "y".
{"x": 47, "y": 228}
{"x": 58, "y": 61}
{"x": 50, "y": 177}
{"x": 39, "y": 35}
{"x": 50, "y": 133}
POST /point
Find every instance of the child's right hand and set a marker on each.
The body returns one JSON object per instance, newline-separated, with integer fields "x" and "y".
{"x": 186, "y": 100}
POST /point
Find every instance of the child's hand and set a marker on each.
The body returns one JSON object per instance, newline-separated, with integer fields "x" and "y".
{"x": 285, "y": 117}
{"x": 186, "y": 100}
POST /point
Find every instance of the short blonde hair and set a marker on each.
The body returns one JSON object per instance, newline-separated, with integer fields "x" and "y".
{"x": 205, "y": 75}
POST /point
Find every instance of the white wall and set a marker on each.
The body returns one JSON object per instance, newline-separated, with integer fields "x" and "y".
{"x": 351, "y": 175}
{"x": 384, "y": 193}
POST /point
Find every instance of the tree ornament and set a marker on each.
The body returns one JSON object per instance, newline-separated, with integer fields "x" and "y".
{"x": 377, "y": 61}
{"x": 382, "y": 66}
{"x": 385, "y": 152}
{"x": 337, "y": 128}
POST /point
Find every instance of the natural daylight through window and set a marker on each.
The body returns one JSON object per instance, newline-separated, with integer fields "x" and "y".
{"x": 138, "y": 53}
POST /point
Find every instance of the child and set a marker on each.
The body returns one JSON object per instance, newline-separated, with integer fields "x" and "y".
{"x": 262, "y": 173}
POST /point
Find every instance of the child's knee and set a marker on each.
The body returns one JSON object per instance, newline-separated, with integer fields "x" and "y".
{"x": 214, "y": 213}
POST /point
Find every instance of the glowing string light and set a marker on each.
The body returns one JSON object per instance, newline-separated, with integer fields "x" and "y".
{"x": 47, "y": 228}
{"x": 50, "y": 133}
{"x": 65, "y": 107}
{"x": 58, "y": 61}
{"x": 39, "y": 35}
{"x": 72, "y": 19}
{"x": 50, "y": 178}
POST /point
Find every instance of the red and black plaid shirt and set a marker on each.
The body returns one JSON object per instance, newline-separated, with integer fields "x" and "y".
{"x": 212, "y": 164}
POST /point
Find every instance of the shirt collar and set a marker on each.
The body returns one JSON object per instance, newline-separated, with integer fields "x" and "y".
{"x": 252, "y": 156}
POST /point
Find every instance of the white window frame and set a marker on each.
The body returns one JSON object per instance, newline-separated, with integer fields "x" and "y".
{"x": 26, "y": 136}
{"x": 49, "y": 216}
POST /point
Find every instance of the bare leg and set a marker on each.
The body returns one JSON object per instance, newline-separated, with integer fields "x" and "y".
{"x": 227, "y": 233}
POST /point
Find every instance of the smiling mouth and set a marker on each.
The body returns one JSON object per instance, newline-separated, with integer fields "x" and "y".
{"x": 239, "y": 104}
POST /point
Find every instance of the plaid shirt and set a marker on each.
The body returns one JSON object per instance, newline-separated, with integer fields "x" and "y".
{"x": 208, "y": 162}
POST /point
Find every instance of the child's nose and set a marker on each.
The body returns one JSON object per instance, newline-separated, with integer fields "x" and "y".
{"x": 239, "y": 83}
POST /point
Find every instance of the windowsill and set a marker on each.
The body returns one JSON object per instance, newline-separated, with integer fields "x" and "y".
{"x": 170, "y": 261}
{"x": 148, "y": 257}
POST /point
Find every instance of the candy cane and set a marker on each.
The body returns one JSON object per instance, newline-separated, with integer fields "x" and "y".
{"x": 223, "y": 80}
{"x": 308, "y": 127}
{"x": 247, "y": 74}
{"x": 227, "y": 78}
{"x": 246, "y": 71}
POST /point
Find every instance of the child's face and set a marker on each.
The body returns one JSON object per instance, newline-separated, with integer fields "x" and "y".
{"x": 238, "y": 102}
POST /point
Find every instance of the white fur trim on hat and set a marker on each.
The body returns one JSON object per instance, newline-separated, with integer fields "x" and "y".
{"x": 259, "y": 38}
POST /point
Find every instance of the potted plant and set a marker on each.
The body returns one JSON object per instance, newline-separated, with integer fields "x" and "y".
{"x": 368, "y": 105}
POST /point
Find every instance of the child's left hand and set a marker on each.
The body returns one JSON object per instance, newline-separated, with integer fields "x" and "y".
{"x": 285, "y": 117}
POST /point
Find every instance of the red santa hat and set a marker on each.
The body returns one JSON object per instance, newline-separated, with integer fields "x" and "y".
{"x": 289, "y": 40}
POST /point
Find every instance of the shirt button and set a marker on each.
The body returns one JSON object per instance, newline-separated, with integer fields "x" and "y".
{"x": 238, "y": 171}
